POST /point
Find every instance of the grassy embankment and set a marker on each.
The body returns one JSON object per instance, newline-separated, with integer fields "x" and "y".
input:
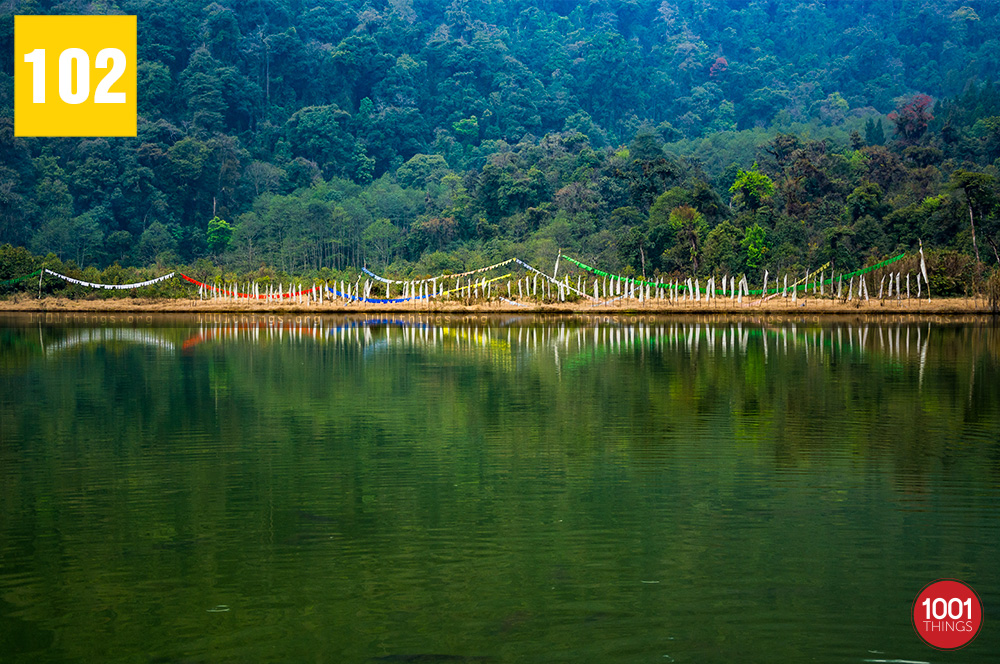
{"x": 806, "y": 305}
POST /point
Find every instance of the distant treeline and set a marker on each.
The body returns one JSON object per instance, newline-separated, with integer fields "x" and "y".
{"x": 421, "y": 137}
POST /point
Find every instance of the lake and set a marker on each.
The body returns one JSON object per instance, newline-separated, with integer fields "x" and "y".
{"x": 258, "y": 488}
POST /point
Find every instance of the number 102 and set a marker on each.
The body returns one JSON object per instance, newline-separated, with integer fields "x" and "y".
{"x": 67, "y": 58}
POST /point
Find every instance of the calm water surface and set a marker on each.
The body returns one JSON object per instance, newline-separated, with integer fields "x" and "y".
{"x": 423, "y": 489}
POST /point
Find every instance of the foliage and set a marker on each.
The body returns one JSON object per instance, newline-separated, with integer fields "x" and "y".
{"x": 689, "y": 228}
{"x": 993, "y": 290}
{"x": 754, "y": 245}
{"x": 330, "y": 136}
{"x": 912, "y": 118}
{"x": 219, "y": 234}
{"x": 751, "y": 188}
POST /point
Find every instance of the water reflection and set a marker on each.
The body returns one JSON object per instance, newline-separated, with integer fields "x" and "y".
{"x": 510, "y": 489}
{"x": 562, "y": 338}
{"x": 108, "y": 336}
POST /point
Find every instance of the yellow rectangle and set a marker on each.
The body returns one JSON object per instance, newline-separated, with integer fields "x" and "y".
{"x": 79, "y": 78}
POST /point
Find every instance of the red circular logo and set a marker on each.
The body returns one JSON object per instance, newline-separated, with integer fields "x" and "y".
{"x": 947, "y": 614}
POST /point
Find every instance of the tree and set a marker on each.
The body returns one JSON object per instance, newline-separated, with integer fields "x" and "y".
{"x": 14, "y": 207}
{"x": 264, "y": 177}
{"x": 380, "y": 240}
{"x": 16, "y": 262}
{"x": 422, "y": 170}
{"x": 866, "y": 199}
{"x": 751, "y": 188}
{"x": 754, "y": 245}
{"x": 154, "y": 241}
{"x": 322, "y": 134}
{"x": 979, "y": 196}
{"x": 117, "y": 244}
{"x": 722, "y": 248}
{"x": 874, "y": 133}
{"x": 689, "y": 228}
{"x": 467, "y": 129}
{"x": 86, "y": 238}
{"x": 912, "y": 118}
{"x": 219, "y": 235}
{"x": 646, "y": 146}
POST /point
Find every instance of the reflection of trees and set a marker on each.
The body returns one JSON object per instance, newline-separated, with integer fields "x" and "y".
{"x": 417, "y": 470}
{"x": 848, "y": 384}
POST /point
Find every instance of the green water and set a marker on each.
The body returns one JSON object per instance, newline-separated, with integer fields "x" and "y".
{"x": 509, "y": 489}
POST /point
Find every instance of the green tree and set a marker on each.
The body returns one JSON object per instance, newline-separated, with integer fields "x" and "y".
{"x": 155, "y": 241}
{"x": 322, "y": 134}
{"x": 866, "y": 199}
{"x": 380, "y": 239}
{"x": 722, "y": 248}
{"x": 979, "y": 196}
{"x": 422, "y": 170}
{"x": 754, "y": 244}
{"x": 874, "y": 132}
{"x": 219, "y": 234}
{"x": 16, "y": 262}
{"x": 689, "y": 228}
{"x": 467, "y": 130}
{"x": 751, "y": 188}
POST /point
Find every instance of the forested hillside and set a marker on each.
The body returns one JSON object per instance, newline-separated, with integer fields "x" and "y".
{"x": 420, "y": 136}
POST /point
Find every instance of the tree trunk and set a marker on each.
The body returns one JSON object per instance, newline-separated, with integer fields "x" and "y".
{"x": 994, "y": 245}
{"x": 972, "y": 222}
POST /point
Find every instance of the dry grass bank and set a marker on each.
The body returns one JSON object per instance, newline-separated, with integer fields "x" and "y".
{"x": 934, "y": 307}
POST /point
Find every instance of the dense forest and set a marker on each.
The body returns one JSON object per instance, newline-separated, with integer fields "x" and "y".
{"x": 656, "y": 137}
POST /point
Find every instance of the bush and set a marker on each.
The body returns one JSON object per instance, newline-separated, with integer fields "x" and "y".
{"x": 951, "y": 273}
{"x": 993, "y": 291}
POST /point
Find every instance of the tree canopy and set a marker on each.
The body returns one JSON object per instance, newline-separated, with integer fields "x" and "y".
{"x": 665, "y": 136}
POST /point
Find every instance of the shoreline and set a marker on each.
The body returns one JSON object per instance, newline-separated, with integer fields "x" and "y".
{"x": 804, "y": 306}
